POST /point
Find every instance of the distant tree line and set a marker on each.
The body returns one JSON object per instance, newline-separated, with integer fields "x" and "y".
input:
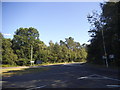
{"x": 105, "y": 34}
{"x": 18, "y": 50}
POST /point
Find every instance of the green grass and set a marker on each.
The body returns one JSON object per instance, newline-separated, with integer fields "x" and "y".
{"x": 20, "y": 70}
{"x": 6, "y": 65}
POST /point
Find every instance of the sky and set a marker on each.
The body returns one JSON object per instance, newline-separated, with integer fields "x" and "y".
{"x": 54, "y": 20}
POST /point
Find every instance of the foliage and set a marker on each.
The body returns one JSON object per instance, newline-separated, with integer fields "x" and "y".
{"x": 108, "y": 22}
{"x": 26, "y": 42}
{"x": 67, "y": 51}
{"x": 1, "y": 37}
{"x": 22, "y": 41}
{"x": 8, "y": 57}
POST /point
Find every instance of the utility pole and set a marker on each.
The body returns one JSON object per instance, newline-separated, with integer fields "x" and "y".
{"x": 106, "y": 60}
{"x": 31, "y": 53}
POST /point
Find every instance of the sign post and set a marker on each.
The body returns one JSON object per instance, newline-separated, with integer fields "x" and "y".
{"x": 111, "y": 56}
{"x": 106, "y": 60}
{"x": 31, "y": 54}
{"x": 32, "y": 62}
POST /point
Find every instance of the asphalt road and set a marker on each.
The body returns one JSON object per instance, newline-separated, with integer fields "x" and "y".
{"x": 65, "y": 76}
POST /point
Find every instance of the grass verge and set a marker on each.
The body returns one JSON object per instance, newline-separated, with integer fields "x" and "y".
{"x": 7, "y": 72}
{"x": 57, "y": 63}
{"x": 21, "y": 71}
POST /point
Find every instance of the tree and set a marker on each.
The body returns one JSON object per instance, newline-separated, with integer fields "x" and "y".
{"x": 8, "y": 57}
{"x": 111, "y": 29}
{"x": 70, "y": 43}
{"x": 108, "y": 23}
{"x": 41, "y": 52}
{"x": 1, "y": 37}
{"x": 23, "y": 40}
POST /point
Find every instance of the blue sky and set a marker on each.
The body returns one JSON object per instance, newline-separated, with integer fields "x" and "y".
{"x": 54, "y": 20}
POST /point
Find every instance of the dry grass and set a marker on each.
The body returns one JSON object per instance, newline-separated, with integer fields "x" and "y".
{"x": 24, "y": 70}
{"x": 13, "y": 69}
{"x": 60, "y": 63}
{"x": 20, "y": 71}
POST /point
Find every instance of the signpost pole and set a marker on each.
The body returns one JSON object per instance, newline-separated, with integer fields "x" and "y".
{"x": 106, "y": 60}
{"x": 31, "y": 53}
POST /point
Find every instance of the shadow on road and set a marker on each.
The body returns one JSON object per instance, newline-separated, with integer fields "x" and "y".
{"x": 24, "y": 71}
{"x": 61, "y": 76}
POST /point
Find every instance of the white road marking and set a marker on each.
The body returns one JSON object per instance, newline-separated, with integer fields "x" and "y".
{"x": 112, "y": 79}
{"x": 113, "y": 86}
{"x": 40, "y": 86}
{"x": 36, "y": 87}
{"x": 97, "y": 77}
{"x": 60, "y": 82}
{"x": 109, "y": 78}
{"x": 82, "y": 77}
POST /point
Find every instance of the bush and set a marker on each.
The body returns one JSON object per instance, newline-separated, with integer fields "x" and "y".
{"x": 23, "y": 61}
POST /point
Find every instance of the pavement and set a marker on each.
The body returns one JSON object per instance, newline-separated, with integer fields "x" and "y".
{"x": 77, "y": 75}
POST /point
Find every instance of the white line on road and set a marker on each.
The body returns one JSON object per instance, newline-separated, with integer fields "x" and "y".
{"x": 82, "y": 77}
{"x": 36, "y": 87}
{"x": 108, "y": 78}
{"x": 97, "y": 77}
{"x": 117, "y": 86}
{"x": 40, "y": 86}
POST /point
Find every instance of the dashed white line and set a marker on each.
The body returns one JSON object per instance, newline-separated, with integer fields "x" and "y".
{"x": 82, "y": 77}
{"x": 41, "y": 86}
{"x": 36, "y": 87}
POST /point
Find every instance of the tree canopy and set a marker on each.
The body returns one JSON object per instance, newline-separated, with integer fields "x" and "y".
{"x": 105, "y": 34}
{"x": 18, "y": 50}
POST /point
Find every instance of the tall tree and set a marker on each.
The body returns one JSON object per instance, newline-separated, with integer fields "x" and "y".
{"x": 70, "y": 43}
{"x": 1, "y": 37}
{"x": 105, "y": 33}
{"x": 24, "y": 40}
{"x": 8, "y": 57}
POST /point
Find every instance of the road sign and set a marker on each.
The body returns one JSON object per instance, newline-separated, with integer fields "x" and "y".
{"x": 111, "y": 56}
{"x": 32, "y": 61}
{"x": 104, "y": 57}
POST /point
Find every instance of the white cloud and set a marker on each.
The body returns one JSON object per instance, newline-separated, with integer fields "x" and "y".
{"x": 6, "y": 34}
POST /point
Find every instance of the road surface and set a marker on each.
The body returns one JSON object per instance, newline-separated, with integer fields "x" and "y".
{"x": 65, "y": 76}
